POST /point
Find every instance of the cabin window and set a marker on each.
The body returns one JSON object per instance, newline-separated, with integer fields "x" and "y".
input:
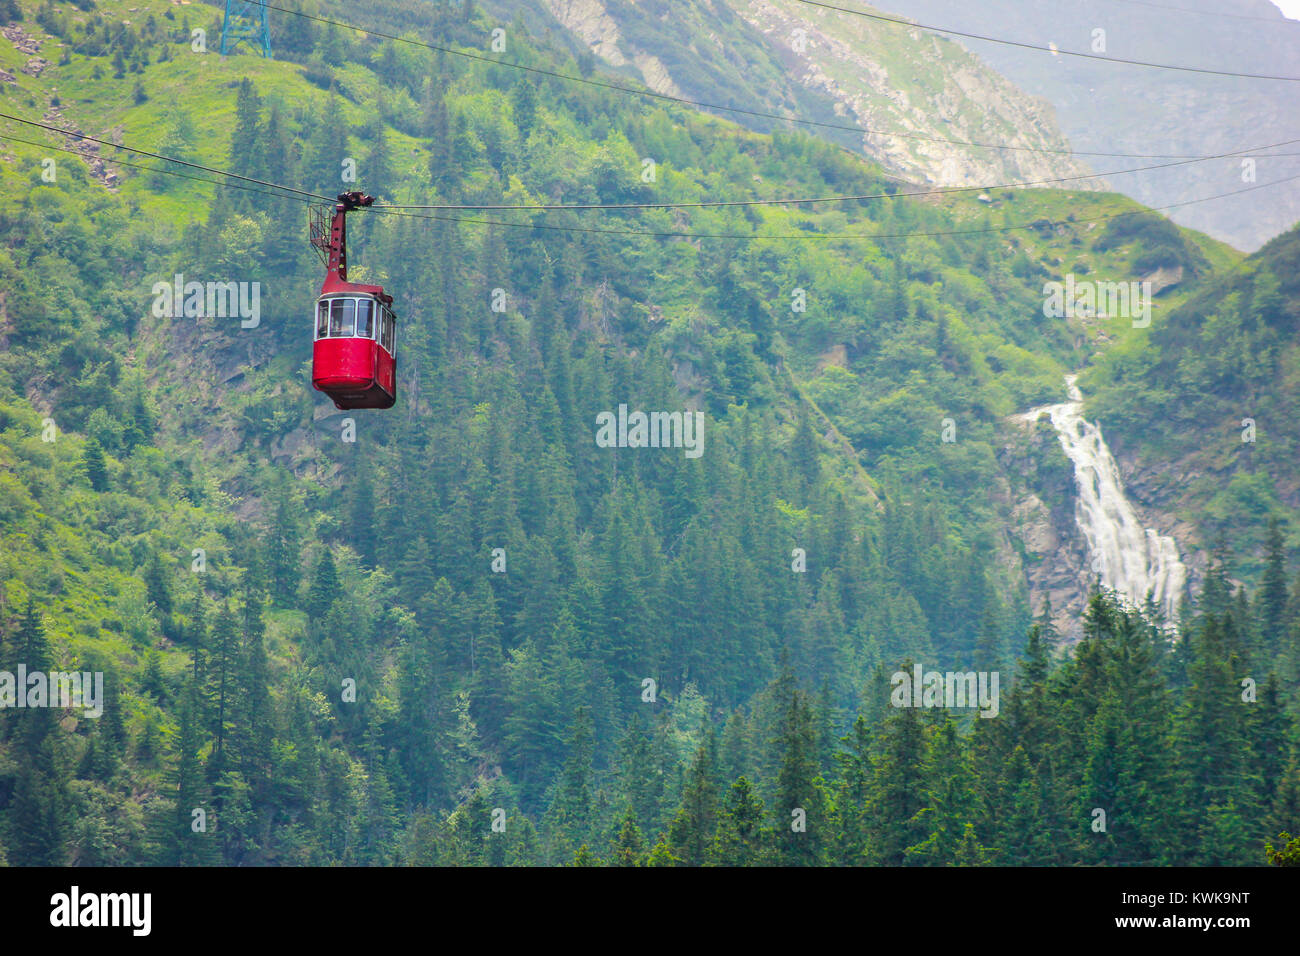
{"x": 388, "y": 330}
{"x": 322, "y": 319}
{"x": 365, "y": 319}
{"x": 343, "y": 313}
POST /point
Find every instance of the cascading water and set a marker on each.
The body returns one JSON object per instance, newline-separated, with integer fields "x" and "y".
{"x": 1130, "y": 559}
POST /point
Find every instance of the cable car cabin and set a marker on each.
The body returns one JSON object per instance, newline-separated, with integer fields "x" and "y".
{"x": 352, "y": 354}
{"x": 352, "y": 358}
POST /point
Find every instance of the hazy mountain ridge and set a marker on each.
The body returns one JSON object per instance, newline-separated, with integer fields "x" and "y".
{"x": 906, "y": 80}
{"x": 925, "y": 88}
{"x": 1115, "y": 107}
{"x": 886, "y": 82}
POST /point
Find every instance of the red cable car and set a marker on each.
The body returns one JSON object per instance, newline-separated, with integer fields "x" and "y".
{"x": 352, "y": 359}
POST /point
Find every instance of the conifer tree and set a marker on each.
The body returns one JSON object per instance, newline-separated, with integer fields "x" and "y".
{"x": 156, "y": 586}
{"x": 1284, "y": 814}
{"x": 623, "y": 598}
{"x": 803, "y": 451}
{"x": 245, "y": 152}
{"x": 418, "y": 581}
{"x": 274, "y": 146}
{"x": 693, "y": 828}
{"x": 325, "y": 588}
{"x": 1273, "y": 595}
{"x": 1269, "y": 729}
{"x": 897, "y": 789}
{"x": 253, "y": 733}
{"x": 523, "y": 102}
{"x": 639, "y": 778}
{"x": 326, "y": 148}
{"x": 421, "y": 718}
{"x": 740, "y": 837}
{"x": 282, "y": 549}
{"x": 661, "y": 854}
{"x": 225, "y": 644}
{"x": 853, "y": 793}
{"x": 362, "y": 534}
{"x": 378, "y": 171}
{"x": 1021, "y": 820}
{"x": 108, "y": 740}
{"x": 572, "y": 805}
{"x": 629, "y": 845}
{"x": 40, "y": 811}
{"x": 32, "y": 648}
{"x": 950, "y": 803}
{"x": 797, "y": 804}
{"x": 92, "y": 462}
{"x": 185, "y": 843}
{"x": 1221, "y": 780}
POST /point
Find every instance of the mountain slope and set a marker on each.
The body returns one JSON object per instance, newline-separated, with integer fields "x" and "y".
{"x": 495, "y": 586}
{"x": 909, "y": 91}
{"x": 1227, "y": 460}
{"x": 913, "y": 91}
{"x": 1123, "y": 108}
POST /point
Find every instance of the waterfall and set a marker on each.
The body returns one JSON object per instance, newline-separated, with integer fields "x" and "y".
{"x": 1130, "y": 559}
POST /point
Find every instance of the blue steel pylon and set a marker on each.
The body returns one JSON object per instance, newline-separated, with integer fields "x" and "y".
{"x": 246, "y": 22}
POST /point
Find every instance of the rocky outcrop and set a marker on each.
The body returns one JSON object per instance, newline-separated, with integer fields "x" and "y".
{"x": 99, "y": 170}
{"x": 656, "y": 74}
{"x": 1164, "y": 278}
{"x": 589, "y": 20}
{"x": 23, "y": 41}
{"x": 913, "y": 93}
{"x": 1158, "y": 490}
{"x": 1038, "y": 507}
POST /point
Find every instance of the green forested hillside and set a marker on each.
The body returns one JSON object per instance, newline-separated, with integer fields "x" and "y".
{"x": 357, "y": 651}
{"x": 1234, "y": 347}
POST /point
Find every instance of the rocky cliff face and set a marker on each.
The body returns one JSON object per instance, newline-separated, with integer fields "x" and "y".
{"x": 1038, "y": 507}
{"x": 910, "y": 89}
{"x": 589, "y": 21}
{"x": 912, "y": 92}
{"x": 909, "y": 93}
